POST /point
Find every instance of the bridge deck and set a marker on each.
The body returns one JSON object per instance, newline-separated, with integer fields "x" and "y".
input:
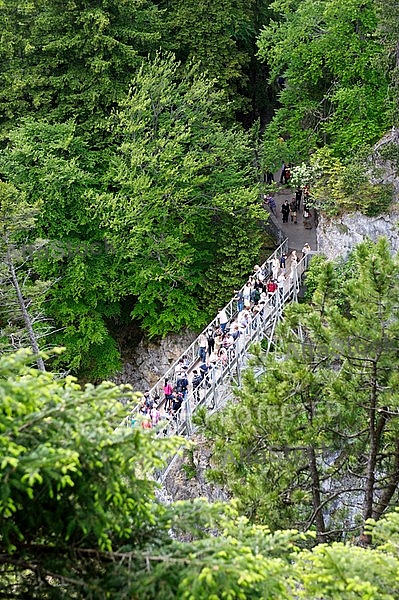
{"x": 218, "y": 387}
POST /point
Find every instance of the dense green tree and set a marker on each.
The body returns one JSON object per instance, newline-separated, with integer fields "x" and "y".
{"x": 169, "y": 224}
{"x": 388, "y": 33}
{"x": 313, "y": 441}
{"x": 22, "y": 292}
{"x": 335, "y": 90}
{"x": 52, "y": 165}
{"x": 222, "y": 38}
{"x": 185, "y": 213}
{"x": 343, "y": 186}
{"x": 79, "y": 516}
{"x": 71, "y": 60}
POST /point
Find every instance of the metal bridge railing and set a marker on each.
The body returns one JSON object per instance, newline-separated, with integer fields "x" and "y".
{"x": 261, "y": 326}
{"x": 191, "y": 354}
{"x": 219, "y": 387}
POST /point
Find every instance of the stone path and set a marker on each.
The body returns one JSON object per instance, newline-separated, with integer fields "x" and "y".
{"x": 297, "y": 234}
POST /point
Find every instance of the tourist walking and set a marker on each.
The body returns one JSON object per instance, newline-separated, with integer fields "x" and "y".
{"x": 285, "y": 211}
{"x": 298, "y": 197}
{"x": 293, "y": 207}
{"x": 280, "y": 285}
{"x": 275, "y": 267}
{"x": 211, "y": 340}
{"x": 222, "y": 319}
{"x": 196, "y": 382}
{"x": 202, "y": 347}
{"x": 168, "y": 393}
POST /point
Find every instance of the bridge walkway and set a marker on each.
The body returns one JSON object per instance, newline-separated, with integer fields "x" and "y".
{"x": 218, "y": 387}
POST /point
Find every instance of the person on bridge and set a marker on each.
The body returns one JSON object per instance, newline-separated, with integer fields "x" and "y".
{"x": 149, "y": 402}
{"x": 182, "y": 385}
{"x": 205, "y": 369}
{"x": 239, "y": 298}
{"x": 222, "y": 318}
{"x": 202, "y": 347}
{"x": 176, "y": 404}
{"x": 246, "y": 292}
{"x": 285, "y": 211}
{"x": 235, "y": 331}
{"x": 280, "y": 284}
{"x": 271, "y": 290}
{"x": 180, "y": 368}
{"x": 196, "y": 383}
{"x": 168, "y": 393}
{"x": 210, "y": 336}
{"x": 146, "y": 423}
{"x": 294, "y": 264}
{"x": 244, "y": 319}
{"x": 306, "y": 249}
{"x": 275, "y": 264}
{"x": 222, "y": 357}
{"x": 155, "y": 416}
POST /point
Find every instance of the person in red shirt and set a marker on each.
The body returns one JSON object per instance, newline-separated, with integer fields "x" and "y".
{"x": 271, "y": 287}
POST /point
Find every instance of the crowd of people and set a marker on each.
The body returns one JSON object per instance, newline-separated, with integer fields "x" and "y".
{"x": 290, "y": 209}
{"x": 217, "y": 345}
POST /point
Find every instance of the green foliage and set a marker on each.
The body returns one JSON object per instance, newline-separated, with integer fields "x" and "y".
{"x": 75, "y": 60}
{"x": 327, "y": 395}
{"x": 332, "y": 277}
{"x": 340, "y": 188}
{"x": 55, "y": 170}
{"x": 68, "y": 480}
{"x": 186, "y": 208}
{"x": 335, "y": 90}
{"x": 222, "y": 38}
{"x": 390, "y": 151}
{"x": 172, "y": 206}
{"x": 23, "y": 294}
{"x": 343, "y": 572}
{"x": 79, "y": 517}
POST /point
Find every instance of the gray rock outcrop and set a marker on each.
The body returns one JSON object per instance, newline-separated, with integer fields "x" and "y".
{"x": 147, "y": 361}
{"x": 338, "y": 236}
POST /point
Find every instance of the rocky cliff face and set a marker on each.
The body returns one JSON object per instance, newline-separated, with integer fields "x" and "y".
{"x": 187, "y": 479}
{"x": 336, "y": 237}
{"x": 146, "y": 362}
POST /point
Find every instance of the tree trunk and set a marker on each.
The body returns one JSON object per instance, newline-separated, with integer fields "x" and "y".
{"x": 391, "y": 487}
{"x": 316, "y": 497}
{"x": 376, "y": 428}
{"x": 25, "y": 315}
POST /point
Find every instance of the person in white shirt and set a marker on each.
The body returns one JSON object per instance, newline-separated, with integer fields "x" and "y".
{"x": 275, "y": 264}
{"x": 222, "y": 318}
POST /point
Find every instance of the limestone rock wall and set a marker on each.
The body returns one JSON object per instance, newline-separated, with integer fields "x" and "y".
{"x": 337, "y": 237}
{"x": 146, "y": 362}
{"x": 187, "y": 479}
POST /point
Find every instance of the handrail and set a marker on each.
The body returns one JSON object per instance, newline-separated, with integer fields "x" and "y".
{"x": 255, "y": 332}
{"x": 237, "y": 360}
{"x": 192, "y": 351}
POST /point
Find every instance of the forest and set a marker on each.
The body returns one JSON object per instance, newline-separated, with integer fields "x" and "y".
{"x": 134, "y": 141}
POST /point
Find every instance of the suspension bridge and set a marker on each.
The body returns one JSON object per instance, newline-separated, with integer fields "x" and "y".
{"x": 218, "y": 386}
